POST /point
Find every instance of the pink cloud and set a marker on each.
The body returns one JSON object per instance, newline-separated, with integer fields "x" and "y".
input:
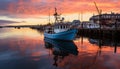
{"x": 41, "y": 7}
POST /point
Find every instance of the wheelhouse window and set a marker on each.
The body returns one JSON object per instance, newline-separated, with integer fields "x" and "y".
{"x": 61, "y": 27}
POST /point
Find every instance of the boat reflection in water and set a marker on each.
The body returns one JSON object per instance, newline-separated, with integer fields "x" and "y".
{"x": 60, "y": 49}
{"x": 106, "y": 42}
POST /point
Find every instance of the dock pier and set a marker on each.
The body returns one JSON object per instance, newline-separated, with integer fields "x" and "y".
{"x": 106, "y": 33}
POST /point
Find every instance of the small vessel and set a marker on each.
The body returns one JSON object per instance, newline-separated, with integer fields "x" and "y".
{"x": 60, "y": 30}
{"x": 1, "y": 27}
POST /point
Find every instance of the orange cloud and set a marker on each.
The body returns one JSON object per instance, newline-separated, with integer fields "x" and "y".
{"x": 35, "y": 0}
{"x": 41, "y": 7}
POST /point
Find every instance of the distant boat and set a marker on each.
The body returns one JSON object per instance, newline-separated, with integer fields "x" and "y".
{"x": 60, "y": 30}
{"x": 1, "y": 27}
{"x": 18, "y": 27}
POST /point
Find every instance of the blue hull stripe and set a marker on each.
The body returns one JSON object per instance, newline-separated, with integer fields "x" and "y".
{"x": 66, "y": 35}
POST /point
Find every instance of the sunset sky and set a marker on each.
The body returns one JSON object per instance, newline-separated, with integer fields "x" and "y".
{"x": 33, "y": 12}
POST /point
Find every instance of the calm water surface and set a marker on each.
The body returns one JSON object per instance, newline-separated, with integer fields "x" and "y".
{"x": 27, "y": 49}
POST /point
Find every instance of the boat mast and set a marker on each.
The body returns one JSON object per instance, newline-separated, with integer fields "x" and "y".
{"x": 49, "y": 15}
{"x": 56, "y": 16}
{"x": 99, "y": 14}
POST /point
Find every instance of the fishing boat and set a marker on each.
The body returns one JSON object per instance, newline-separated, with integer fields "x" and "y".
{"x": 60, "y": 30}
